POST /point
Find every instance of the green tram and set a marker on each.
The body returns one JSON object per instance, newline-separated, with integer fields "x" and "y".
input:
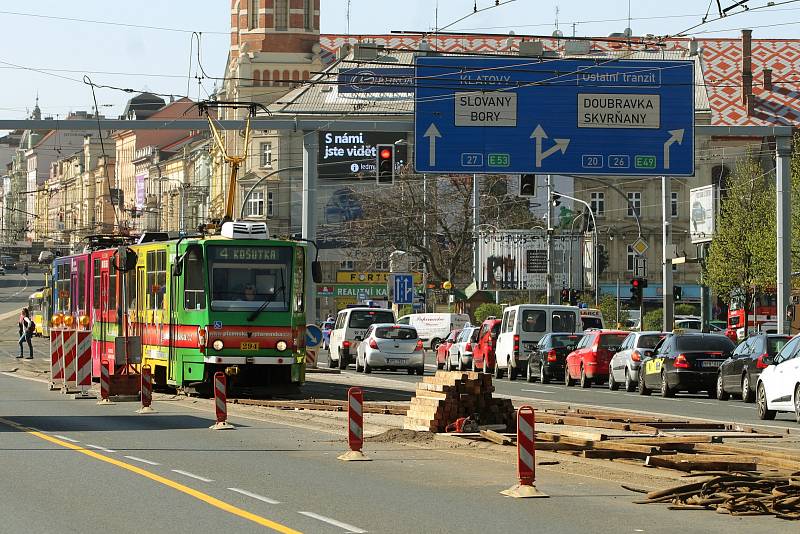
{"x": 233, "y": 303}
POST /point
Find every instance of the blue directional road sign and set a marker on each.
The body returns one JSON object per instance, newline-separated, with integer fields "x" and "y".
{"x": 559, "y": 116}
{"x": 403, "y": 288}
{"x": 313, "y": 335}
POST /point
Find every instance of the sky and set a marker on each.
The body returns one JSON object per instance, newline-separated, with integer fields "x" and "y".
{"x": 43, "y": 54}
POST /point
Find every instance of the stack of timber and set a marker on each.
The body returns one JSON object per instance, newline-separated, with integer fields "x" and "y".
{"x": 450, "y": 395}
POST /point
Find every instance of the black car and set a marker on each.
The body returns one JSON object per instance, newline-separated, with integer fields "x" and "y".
{"x": 738, "y": 374}
{"x": 548, "y": 358}
{"x": 685, "y": 362}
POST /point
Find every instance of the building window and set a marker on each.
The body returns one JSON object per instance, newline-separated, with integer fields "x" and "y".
{"x": 346, "y": 265}
{"x": 634, "y": 204}
{"x": 674, "y": 203}
{"x": 281, "y": 14}
{"x": 265, "y": 151}
{"x": 631, "y": 259}
{"x": 598, "y": 204}
{"x": 270, "y": 204}
{"x": 255, "y": 204}
{"x": 252, "y": 14}
{"x": 382, "y": 265}
{"x": 308, "y": 13}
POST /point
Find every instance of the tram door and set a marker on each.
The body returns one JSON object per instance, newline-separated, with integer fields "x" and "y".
{"x": 74, "y": 288}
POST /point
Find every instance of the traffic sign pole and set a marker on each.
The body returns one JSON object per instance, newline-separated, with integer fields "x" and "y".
{"x": 666, "y": 212}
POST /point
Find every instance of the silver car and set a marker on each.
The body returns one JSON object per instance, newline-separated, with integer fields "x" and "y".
{"x": 624, "y": 365}
{"x": 391, "y": 346}
{"x": 460, "y": 356}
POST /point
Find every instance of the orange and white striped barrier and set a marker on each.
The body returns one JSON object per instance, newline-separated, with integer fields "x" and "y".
{"x": 355, "y": 426}
{"x": 56, "y": 361}
{"x": 526, "y": 456}
{"x": 146, "y": 390}
{"x": 83, "y": 375}
{"x": 105, "y": 383}
{"x": 68, "y": 345}
{"x": 220, "y": 403}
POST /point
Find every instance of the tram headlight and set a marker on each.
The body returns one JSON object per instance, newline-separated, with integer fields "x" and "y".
{"x": 69, "y": 321}
{"x": 218, "y": 344}
{"x": 84, "y": 320}
{"x": 281, "y": 345}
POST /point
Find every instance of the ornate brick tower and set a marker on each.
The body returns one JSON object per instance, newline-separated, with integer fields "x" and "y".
{"x": 273, "y": 44}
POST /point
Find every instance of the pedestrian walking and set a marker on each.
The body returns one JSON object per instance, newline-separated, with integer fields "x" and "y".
{"x": 25, "y": 270}
{"x": 26, "y": 328}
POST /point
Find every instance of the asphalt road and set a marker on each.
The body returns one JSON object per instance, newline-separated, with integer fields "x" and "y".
{"x": 15, "y": 289}
{"x": 105, "y": 468}
{"x": 682, "y": 405}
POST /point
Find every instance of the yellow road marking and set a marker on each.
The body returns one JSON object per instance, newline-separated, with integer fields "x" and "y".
{"x": 208, "y": 499}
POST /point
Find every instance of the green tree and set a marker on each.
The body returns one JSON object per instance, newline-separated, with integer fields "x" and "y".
{"x": 487, "y": 309}
{"x": 653, "y": 320}
{"x": 686, "y": 309}
{"x": 608, "y": 307}
{"x": 742, "y": 256}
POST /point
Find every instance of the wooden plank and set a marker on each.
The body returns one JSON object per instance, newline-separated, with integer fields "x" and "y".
{"x": 702, "y": 462}
{"x": 493, "y": 436}
{"x": 627, "y": 447}
{"x": 613, "y": 455}
{"x": 667, "y": 441}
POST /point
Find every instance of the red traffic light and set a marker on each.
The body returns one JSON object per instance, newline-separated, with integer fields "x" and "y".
{"x": 385, "y": 153}
{"x": 635, "y": 282}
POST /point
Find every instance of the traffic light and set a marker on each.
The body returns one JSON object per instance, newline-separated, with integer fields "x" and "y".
{"x": 637, "y": 286}
{"x": 385, "y": 164}
{"x": 677, "y": 293}
{"x": 527, "y": 185}
{"x": 790, "y": 312}
{"x": 573, "y": 297}
{"x": 565, "y": 294}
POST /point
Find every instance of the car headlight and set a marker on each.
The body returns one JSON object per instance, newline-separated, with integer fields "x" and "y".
{"x": 218, "y": 344}
{"x": 281, "y": 346}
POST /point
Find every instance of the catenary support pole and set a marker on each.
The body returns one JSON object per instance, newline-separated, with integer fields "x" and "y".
{"x": 476, "y": 221}
{"x": 783, "y": 149}
{"x": 550, "y": 291}
{"x": 309, "y": 226}
{"x": 666, "y": 254}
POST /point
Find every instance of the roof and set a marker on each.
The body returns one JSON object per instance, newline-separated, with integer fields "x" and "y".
{"x": 719, "y": 59}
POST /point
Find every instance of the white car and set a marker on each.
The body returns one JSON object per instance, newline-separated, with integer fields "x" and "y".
{"x": 460, "y": 356}
{"x": 391, "y": 346}
{"x": 624, "y": 366}
{"x": 778, "y": 388}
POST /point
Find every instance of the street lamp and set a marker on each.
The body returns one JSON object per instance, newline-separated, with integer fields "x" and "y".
{"x": 595, "y": 274}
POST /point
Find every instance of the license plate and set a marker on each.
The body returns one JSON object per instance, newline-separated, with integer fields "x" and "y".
{"x": 711, "y": 363}
{"x": 248, "y": 345}
{"x": 395, "y": 361}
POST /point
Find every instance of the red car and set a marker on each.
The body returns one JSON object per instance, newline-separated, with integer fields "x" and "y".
{"x": 589, "y": 361}
{"x": 483, "y": 352}
{"x": 443, "y": 349}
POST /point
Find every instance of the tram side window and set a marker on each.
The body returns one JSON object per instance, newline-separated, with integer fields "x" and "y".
{"x": 81, "y": 296}
{"x": 130, "y": 288}
{"x": 62, "y": 286}
{"x": 156, "y": 277}
{"x": 96, "y": 290}
{"x": 112, "y": 286}
{"x": 193, "y": 282}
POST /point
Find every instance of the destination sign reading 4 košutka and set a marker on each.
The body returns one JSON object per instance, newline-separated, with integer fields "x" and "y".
{"x": 560, "y": 116}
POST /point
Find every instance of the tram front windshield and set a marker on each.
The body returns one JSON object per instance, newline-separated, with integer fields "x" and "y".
{"x": 249, "y": 278}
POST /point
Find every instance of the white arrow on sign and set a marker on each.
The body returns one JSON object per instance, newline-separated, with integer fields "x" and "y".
{"x": 432, "y": 133}
{"x": 675, "y": 136}
{"x": 539, "y": 134}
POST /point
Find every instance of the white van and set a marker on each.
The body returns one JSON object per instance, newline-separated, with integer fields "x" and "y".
{"x": 350, "y": 327}
{"x": 434, "y": 327}
{"x": 523, "y": 326}
{"x": 592, "y": 318}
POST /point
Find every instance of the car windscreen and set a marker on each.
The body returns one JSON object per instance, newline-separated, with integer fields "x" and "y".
{"x": 250, "y": 278}
{"x": 365, "y": 318}
{"x": 534, "y": 320}
{"x": 694, "y": 325}
{"x": 564, "y": 341}
{"x": 611, "y": 340}
{"x": 775, "y": 344}
{"x": 395, "y": 332}
{"x": 591, "y": 322}
{"x": 649, "y": 341}
{"x": 710, "y": 343}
